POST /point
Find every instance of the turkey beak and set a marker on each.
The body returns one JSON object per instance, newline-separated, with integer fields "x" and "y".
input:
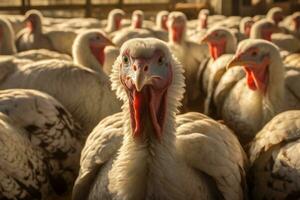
{"x": 235, "y": 62}
{"x": 141, "y": 77}
{"x": 204, "y": 39}
{"x": 26, "y": 19}
{"x": 108, "y": 42}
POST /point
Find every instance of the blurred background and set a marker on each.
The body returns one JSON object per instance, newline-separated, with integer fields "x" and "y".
{"x": 100, "y": 8}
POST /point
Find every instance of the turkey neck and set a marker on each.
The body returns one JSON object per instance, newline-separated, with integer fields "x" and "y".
{"x": 35, "y": 27}
{"x": 147, "y": 166}
{"x": 113, "y": 24}
{"x": 177, "y": 36}
{"x": 82, "y": 55}
{"x": 7, "y": 45}
{"x": 231, "y": 44}
{"x": 273, "y": 99}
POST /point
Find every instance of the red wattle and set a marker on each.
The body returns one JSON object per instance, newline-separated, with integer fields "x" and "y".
{"x": 164, "y": 23}
{"x": 297, "y": 23}
{"x": 29, "y": 25}
{"x": 217, "y": 49}
{"x": 137, "y": 24}
{"x": 247, "y": 31}
{"x": 266, "y": 35}
{"x": 98, "y": 52}
{"x": 177, "y": 34}
{"x": 250, "y": 79}
{"x": 118, "y": 24}
{"x": 203, "y": 23}
{"x": 137, "y": 105}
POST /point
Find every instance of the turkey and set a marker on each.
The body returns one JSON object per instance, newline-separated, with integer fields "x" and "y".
{"x": 84, "y": 92}
{"x": 14, "y": 58}
{"x": 146, "y": 151}
{"x": 136, "y": 30}
{"x": 23, "y": 174}
{"x": 7, "y": 44}
{"x": 245, "y": 27}
{"x": 114, "y": 20}
{"x": 47, "y": 127}
{"x": 16, "y": 21}
{"x": 32, "y": 37}
{"x": 263, "y": 93}
{"x": 265, "y": 29}
{"x": 8, "y": 47}
{"x": 275, "y": 159}
{"x": 222, "y": 45}
{"x": 196, "y": 34}
{"x": 275, "y": 15}
{"x": 89, "y": 101}
{"x": 161, "y": 20}
{"x": 35, "y": 37}
{"x": 137, "y": 19}
{"x": 190, "y": 55}
{"x": 293, "y": 25}
{"x": 91, "y": 49}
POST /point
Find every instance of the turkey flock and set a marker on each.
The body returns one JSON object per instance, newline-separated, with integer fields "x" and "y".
{"x": 138, "y": 109}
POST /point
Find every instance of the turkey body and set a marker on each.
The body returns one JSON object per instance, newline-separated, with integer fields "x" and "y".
{"x": 79, "y": 89}
{"x": 125, "y": 158}
{"x": 274, "y": 161}
{"x": 43, "y": 124}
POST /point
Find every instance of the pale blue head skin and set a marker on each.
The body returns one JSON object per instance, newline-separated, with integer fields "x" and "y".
{"x": 145, "y": 66}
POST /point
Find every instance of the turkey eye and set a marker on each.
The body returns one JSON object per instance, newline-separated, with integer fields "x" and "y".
{"x": 160, "y": 60}
{"x": 125, "y": 59}
{"x": 98, "y": 37}
{"x": 254, "y": 53}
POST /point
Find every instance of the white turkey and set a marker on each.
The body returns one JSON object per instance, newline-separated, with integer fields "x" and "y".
{"x": 8, "y": 47}
{"x": 34, "y": 36}
{"x": 136, "y": 29}
{"x": 23, "y": 174}
{"x": 275, "y": 15}
{"x": 94, "y": 50}
{"x": 263, "y": 93}
{"x": 245, "y": 26}
{"x": 196, "y": 33}
{"x": 265, "y": 29}
{"x": 275, "y": 159}
{"x": 7, "y": 38}
{"x": 222, "y": 45}
{"x": 59, "y": 78}
{"x": 84, "y": 92}
{"x": 191, "y": 55}
{"x": 114, "y": 20}
{"x": 294, "y": 24}
{"x": 49, "y": 129}
{"x": 146, "y": 151}
{"x": 161, "y": 20}
{"x": 137, "y": 19}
